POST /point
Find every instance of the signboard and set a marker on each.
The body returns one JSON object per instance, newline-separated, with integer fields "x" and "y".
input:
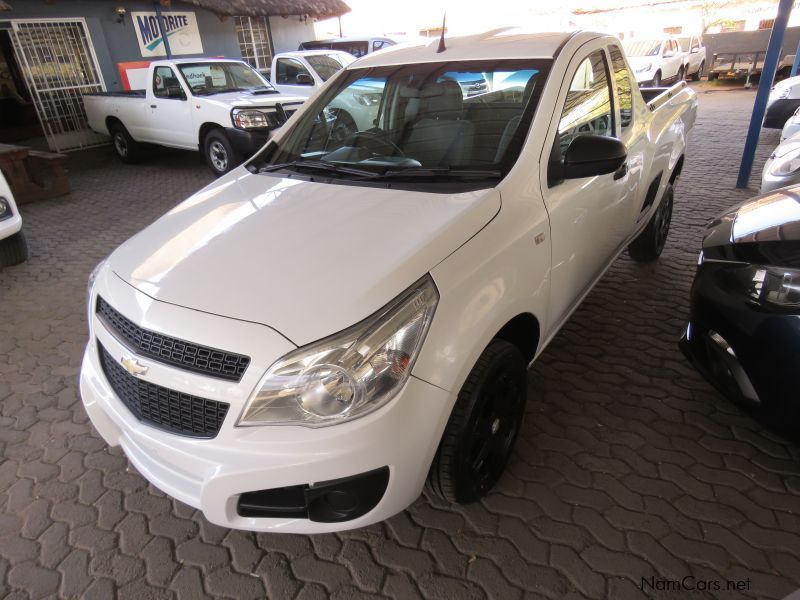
{"x": 181, "y": 29}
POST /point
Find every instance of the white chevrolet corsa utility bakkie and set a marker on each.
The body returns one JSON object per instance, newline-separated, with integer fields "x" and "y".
{"x": 305, "y": 342}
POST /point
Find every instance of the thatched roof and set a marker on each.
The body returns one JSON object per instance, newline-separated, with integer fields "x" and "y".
{"x": 255, "y": 8}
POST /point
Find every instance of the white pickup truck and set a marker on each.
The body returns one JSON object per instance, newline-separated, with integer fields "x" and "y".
{"x": 303, "y": 72}
{"x": 221, "y": 107}
{"x": 302, "y": 344}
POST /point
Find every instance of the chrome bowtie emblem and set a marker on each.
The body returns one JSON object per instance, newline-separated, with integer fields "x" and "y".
{"x": 133, "y": 366}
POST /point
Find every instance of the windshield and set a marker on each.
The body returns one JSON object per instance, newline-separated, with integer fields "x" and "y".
{"x": 416, "y": 120}
{"x": 206, "y": 78}
{"x": 642, "y": 48}
{"x": 326, "y": 65}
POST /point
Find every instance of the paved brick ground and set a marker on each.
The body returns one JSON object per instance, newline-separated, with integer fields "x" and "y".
{"x": 629, "y": 465}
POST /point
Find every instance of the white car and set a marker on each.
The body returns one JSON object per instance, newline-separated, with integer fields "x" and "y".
{"x": 13, "y": 245}
{"x": 783, "y": 101}
{"x": 694, "y": 56}
{"x": 302, "y": 344}
{"x": 223, "y": 108}
{"x": 303, "y": 72}
{"x": 783, "y": 166}
{"x": 656, "y": 61}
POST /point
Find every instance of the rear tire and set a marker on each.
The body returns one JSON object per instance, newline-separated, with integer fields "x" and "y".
{"x": 219, "y": 153}
{"x": 128, "y": 150}
{"x": 649, "y": 244}
{"x": 681, "y": 75}
{"x": 696, "y": 76}
{"x": 483, "y": 426}
{"x": 13, "y": 250}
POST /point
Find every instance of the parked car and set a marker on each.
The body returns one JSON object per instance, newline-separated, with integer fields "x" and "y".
{"x": 783, "y": 166}
{"x": 303, "y": 72}
{"x": 694, "y": 56}
{"x": 744, "y": 327}
{"x": 13, "y": 245}
{"x": 656, "y": 61}
{"x": 301, "y": 344}
{"x": 357, "y": 46}
{"x": 223, "y": 108}
{"x": 784, "y": 100}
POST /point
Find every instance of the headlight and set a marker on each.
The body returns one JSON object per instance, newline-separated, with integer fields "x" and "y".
{"x": 251, "y": 119}
{"x": 776, "y": 286}
{"x": 368, "y": 99}
{"x": 786, "y": 165}
{"x": 784, "y": 93}
{"x": 645, "y": 68}
{"x": 89, "y": 290}
{"x": 348, "y": 374}
{"x": 5, "y": 209}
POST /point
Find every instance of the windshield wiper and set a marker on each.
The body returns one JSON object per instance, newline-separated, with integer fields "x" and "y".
{"x": 224, "y": 91}
{"x": 437, "y": 172}
{"x": 319, "y": 165}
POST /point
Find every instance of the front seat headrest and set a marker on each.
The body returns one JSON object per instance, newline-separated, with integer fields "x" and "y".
{"x": 442, "y": 100}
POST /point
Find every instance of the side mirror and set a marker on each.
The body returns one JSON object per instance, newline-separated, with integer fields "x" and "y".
{"x": 695, "y": 50}
{"x": 303, "y": 79}
{"x": 668, "y": 54}
{"x": 591, "y": 155}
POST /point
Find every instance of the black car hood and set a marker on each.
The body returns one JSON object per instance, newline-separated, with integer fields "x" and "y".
{"x": 764, "y": 229}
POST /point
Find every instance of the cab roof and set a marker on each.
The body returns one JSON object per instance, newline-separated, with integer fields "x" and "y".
{"x": 498, "y": 43}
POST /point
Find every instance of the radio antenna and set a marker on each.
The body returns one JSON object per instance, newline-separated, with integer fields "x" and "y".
{"x": 442, "y": 47}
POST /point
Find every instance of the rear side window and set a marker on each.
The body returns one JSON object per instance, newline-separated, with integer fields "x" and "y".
{"x": 622, "y": 78}
{"x": 587, "y": 109}
{"x": 165, "y": 84}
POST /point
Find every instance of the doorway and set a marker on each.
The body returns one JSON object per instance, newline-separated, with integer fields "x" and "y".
{"x": 18, "y": 120}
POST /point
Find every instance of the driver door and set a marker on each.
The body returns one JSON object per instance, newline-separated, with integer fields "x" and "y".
{"x": 170, "y": 111}
{"x": 589, "y": 217}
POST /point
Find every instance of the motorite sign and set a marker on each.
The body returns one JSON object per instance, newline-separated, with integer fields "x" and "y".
{"x": 181, "y": 30}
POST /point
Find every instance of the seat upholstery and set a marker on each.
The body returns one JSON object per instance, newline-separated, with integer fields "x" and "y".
{"x": 439, "y": 137}
{"x": 513, "y": 123}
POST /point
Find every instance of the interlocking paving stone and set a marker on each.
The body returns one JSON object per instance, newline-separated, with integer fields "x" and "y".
{"x": 628, "y": 465}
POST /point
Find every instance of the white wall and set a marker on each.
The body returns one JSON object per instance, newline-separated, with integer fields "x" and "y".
{"x": 289, "y": 32}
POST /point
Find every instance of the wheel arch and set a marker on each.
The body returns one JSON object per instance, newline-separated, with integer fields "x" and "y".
{"x": 112, "y": 120}
{"x": 676, "y": 170}
{"x": 205, "y": 129}
{"x": 524, "y": 332}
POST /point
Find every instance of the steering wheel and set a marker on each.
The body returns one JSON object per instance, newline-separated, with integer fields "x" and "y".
{"x": 375, "y": 142}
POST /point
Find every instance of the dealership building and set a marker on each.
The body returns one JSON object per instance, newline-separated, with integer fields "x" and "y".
{"x": 53, "y": 52}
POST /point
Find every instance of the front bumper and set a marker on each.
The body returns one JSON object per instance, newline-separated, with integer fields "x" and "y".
{"x": 749, "y": 353}
{"x": 247, "y": 143}
{"x": 212, "y": 474}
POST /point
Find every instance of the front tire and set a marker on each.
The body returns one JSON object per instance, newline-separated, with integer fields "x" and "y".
{"x": 219, "y": 154}
{"x": 656, "y": 80}
{"x": 649, "y": 244}
{"x": 681, "y": 75}
{"x": 13, "y": 250}
{"x": 483, "y": 426}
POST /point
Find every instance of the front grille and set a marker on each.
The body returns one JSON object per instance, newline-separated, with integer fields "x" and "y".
{"x": 172, "y": 351}
{"x": 161, "y": 407}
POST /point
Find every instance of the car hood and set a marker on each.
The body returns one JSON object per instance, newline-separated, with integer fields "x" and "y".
{"x": 245, "y": 99}
{"x": 766, "y": 220}
{"x": 637, "y": 62}
{"x": 307, "y": 259}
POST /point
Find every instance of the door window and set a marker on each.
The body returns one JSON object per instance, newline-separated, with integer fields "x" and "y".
{"x": 165, "y": 84}
{"x": 288, "y": 70}
{"x": 588, "y": 109}
{"x": 622, "y": 78}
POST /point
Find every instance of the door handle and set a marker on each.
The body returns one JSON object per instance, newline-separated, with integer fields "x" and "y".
{"x": 621, "y": 172}
{"x": 153, "y": 106}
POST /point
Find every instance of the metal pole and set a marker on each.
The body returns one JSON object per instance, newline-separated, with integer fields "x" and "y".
{"x": 796, "y": 61}
{"x": 764, "y": 85}
{"x": 163, "y": 29}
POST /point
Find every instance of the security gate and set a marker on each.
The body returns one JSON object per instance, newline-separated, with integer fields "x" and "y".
{"x": 60, "y": 66}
